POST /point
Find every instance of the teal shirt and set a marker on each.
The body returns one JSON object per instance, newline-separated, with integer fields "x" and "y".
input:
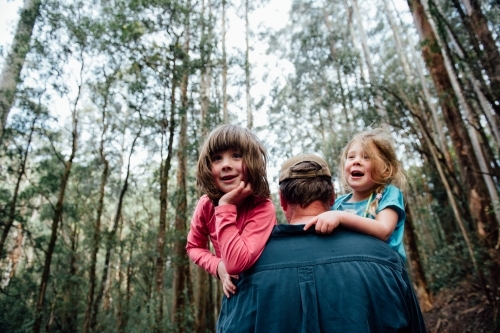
{"x": 391, "y": 198}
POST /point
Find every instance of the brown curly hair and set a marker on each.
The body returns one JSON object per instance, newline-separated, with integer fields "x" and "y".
{"x": 229, "y": 136}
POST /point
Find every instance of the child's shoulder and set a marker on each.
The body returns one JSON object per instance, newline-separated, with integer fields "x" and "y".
{"x": 339, "y": 200}
{"x": 205, "y": 203}
{"x": 392, "y": 189}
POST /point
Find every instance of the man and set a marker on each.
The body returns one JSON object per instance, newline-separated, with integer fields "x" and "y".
{"x": 309, "y": 282}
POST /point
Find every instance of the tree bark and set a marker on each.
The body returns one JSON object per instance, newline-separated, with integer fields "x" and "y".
{"x": 490, "y": 54}
{"x": 417, "y": 272}
{"x": 15, "y": 59}
{"x": 180, "y": 260}
{"x": 225, "y": 116}
{"x": 379, "y": 106}
{"x": 12, "y": 206}
{"x": 162, "y": 225}
{"x": 247, "y": 67}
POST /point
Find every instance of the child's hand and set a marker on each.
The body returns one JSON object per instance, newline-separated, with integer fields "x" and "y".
{"x": 237, "y": 195}
{"x": 325, "y": 222}
{"x": 227, "y": 284}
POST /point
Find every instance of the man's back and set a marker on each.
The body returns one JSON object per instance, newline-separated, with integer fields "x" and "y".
{"x": 305, "y": 282}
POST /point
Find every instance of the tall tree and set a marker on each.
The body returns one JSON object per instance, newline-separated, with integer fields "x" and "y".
{"x": 225, "y": 116}
{"x": 14, "y": 62}
{"x": 100, "y": 205}
{"x": 180, "y": 260}
{"x": 248, "y": 81}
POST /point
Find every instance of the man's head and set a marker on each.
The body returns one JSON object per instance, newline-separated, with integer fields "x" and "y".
{"x": 304, "y": 179}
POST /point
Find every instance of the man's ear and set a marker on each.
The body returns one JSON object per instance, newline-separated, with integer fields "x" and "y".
{"x": 283, "y": 203}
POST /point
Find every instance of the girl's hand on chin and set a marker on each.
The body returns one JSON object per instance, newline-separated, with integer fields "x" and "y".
{"x": 237, "y": 195}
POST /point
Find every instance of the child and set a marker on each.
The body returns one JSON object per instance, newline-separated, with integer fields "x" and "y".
{"x": 375, "y": 206}
{"x": 235, "y": 212}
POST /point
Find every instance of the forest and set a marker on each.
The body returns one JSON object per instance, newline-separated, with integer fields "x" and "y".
{"x": 104, "y": 106}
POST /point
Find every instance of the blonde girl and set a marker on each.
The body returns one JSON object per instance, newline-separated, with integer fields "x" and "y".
{"x": 235, "y": 212}
{"x": 375, "y": 178}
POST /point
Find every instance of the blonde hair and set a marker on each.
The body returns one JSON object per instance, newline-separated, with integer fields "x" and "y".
{"x": 386, "y": 168}
{"x": 226, "y": 137}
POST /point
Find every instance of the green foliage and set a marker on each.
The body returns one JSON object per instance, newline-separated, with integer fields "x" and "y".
{"x": 449, "y": 265}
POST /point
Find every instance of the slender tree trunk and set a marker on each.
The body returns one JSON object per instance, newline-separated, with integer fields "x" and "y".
{"x": 12, "y": 206}
{"x": 490, "y": 54}
{"x": 17, "y": 251}
{"x": 70, "y": 286}
{"x": 97, "y": 227}
{"x": 333, "y": 54}
{"x": 379, "y": 106}
{"x": 15, "y": 59}
{"x": 206, "y": 72}
{"x": 200, "y": 299}
{"x": 121, "y": 277}
{"x": 225, "y": 116}
{"x": 162, "y": 225}
{"x": 180, "y": 261}
{"x": 58, "y": 212}
{"x": 414, "y": 262}
{"x": 247, "y": 67}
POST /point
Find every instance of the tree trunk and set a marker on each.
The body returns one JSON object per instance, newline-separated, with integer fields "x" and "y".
{"x": 12, "y": 206}
{"x": 247, "y": 67}
{"x": 414, "y": 263}
{"x": 162, "y": 225}
{"x": 379, "y": 106}
{"x": 200, "y": 299}
{"x": 490, "y": 54}
{"x": 97, "y": 227}
{"x": 58, "y": 212}
{"x": 180, "y": 260}
{"x": 15, "y": 59}
{"x": 70, "y": 286}
{"x": 16, "y": 252}
{"x": 225, "y": 116}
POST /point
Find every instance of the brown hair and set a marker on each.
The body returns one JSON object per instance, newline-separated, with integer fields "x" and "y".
{"x": 230, "y": 136}
{"x": 303, "y": 191}
{"x": 386, "y": 168}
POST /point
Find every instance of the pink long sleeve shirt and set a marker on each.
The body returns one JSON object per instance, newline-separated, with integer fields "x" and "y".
{"x": 238, "y": 234}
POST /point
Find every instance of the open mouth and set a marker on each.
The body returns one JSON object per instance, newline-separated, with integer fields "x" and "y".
{"x": 227, "y": 177}
{"x": 357, "y": 174}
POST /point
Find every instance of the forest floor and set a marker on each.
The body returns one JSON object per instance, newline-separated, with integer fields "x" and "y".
{"x": 460, "y": 310}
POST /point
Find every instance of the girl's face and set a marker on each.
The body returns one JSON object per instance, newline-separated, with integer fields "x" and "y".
{"x": 228, "y": 169}
{"x": 358, "y": 172}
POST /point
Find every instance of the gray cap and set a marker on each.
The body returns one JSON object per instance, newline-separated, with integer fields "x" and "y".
{"x": 289, "y": 172}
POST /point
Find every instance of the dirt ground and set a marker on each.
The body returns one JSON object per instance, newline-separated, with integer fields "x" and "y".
{"x": 461, "y": 310}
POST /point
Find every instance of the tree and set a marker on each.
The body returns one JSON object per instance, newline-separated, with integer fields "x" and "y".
{"x": 11, "y": 72}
